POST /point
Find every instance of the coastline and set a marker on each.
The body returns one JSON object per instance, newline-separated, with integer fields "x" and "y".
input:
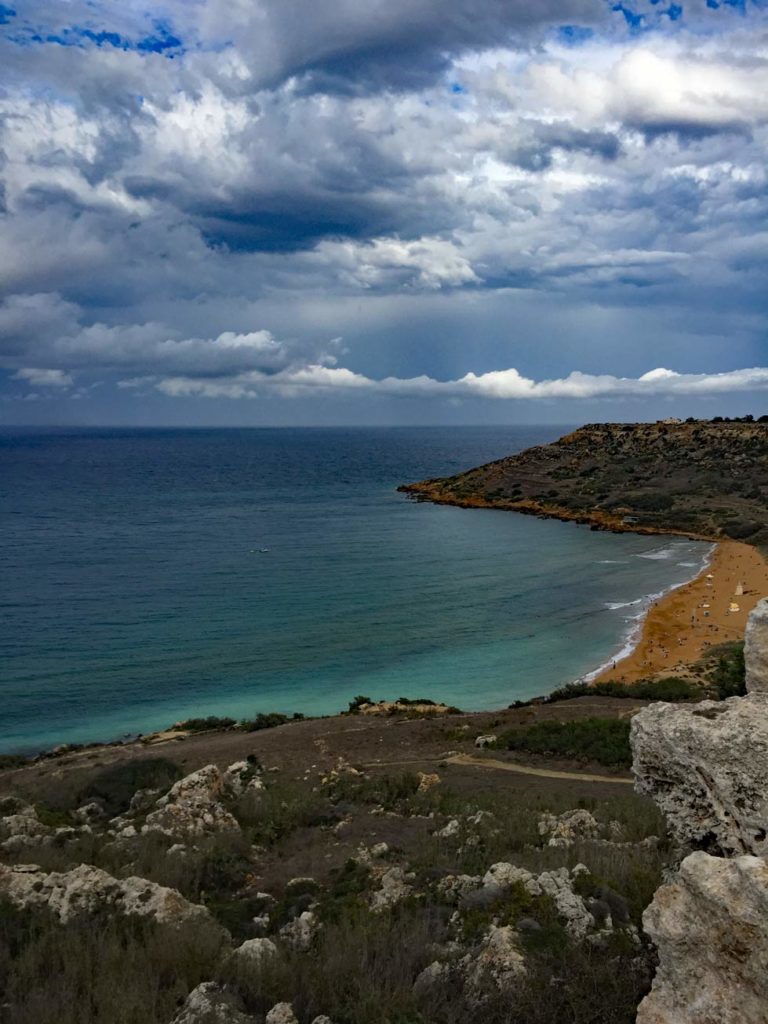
{"x": 677, "y": 629}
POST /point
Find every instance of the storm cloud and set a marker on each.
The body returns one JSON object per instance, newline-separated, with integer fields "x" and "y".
{"x": 219, "y": 201}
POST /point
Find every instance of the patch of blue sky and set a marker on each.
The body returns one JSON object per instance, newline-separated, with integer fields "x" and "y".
{"x": 458, "y": 89}
{"x": 160, "y": 40}
{"x": 574, "y": 35}
{"x": 6, "y": 14}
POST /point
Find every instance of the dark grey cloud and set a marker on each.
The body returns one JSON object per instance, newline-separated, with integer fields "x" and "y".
{"x": 451, "y": 188}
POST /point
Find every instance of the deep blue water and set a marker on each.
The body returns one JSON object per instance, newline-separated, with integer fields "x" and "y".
{"x": 134, "y": 591}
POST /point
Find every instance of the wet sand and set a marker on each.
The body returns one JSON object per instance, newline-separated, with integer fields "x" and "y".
{"x": 700, "y": 614}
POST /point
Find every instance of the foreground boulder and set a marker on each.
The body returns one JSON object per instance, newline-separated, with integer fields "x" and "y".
{"x": 706, "y": 766}
{"x": 193, "y": 807}
{"x": 710, "y": 925}
{"x": 88, "y": 890}
{"x": 756, "y": 649}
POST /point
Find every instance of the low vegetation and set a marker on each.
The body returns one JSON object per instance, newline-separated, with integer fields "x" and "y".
{"x": 670, "y": 688}
{"x": 603, "y": 740}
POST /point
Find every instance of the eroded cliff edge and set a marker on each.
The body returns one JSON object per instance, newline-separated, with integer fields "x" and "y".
{"x": 706, "y": 766}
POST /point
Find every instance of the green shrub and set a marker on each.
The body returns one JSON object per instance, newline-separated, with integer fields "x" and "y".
{"x": 204, "y": 724}
{"x": 98, "y": 970}
{"x": 8, "y": 761}
{"x": 724, "y": 667}
{"x": 357, "y": 703}
{"x": 267, "y": 721}
{"x": 115, "y": 786}
{"x": 670, "y": 688}
{"x": 605, "y": 740}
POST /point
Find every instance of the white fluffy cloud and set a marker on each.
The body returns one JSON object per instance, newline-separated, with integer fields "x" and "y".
{"x": 499, "y": 384}
{"x": 491, "y": 180}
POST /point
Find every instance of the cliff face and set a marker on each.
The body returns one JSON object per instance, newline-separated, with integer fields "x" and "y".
{"x": 702, "y": 479}
{"x": 706, "y": 765}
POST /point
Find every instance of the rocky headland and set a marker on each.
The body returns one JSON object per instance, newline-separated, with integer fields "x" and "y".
{"x": 701, "y": 479}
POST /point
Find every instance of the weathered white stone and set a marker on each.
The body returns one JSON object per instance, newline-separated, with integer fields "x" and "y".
{"x": 570, "y": 906}
{"x": 506, "y": 875}
{"x": 87, "y": 889}
{"x": 449, "y": 831}
{"x": 281, "y": 1013}
{"x": 192, "y": 807}
{"x": 21, "y": 821}
{"x": 299, "y": 933}
{"x": 498, "y": 964}
{"x": 256, "y": 951}
{"x": 565, "y": 829}
{"x": 756, "y": 648}
{"x": 433, "y": 977}
{"x": 486, "y": 741}
{"x": 706, "y": 766}
{"x": 209, "y": 1003}
{"x": 395, "y": 886}
{"x": 89, "y": 813}
{"x": 242, "y": 777}
{"x": 454, "y": 887}
{"x": 710, "y": 925}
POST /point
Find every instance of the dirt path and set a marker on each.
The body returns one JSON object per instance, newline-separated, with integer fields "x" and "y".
{"x": 505, "y": 766}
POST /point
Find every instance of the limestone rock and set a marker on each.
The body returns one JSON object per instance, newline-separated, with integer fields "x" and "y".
{"x": 299, "y": 933}
{"x": 710, "y": 925}
{"x": 242, "y": 777}
{"x": 19, "y": 819}
{"x": 453, "y": 888}
{"x": 506, "y": 875}
{"x": 281, "y": 1013}
{"x": 485, "y": 741}
{"x": 433, "y": 977}
{"x": 570, "y": 906}
{"x": 557, "y": 884}
{"x": 706, "y": 766}
{"x": 756, "y": 648}
{"x": 256, "y": 951}
{"x": 192, "y": 807}
{"x": 209, "y": 1003}
{"x": 565, "y": 829}
{"x": 87, "y": 890}
{"x": 427, "y": 780}
{"x": 499, "y": 964}
{"x": 395, "y": 886}
{"x": 449, "y": 831}
{"x": 90, "y": 813}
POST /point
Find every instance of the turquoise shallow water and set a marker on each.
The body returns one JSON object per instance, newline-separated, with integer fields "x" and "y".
{"x": 135, "y": 590}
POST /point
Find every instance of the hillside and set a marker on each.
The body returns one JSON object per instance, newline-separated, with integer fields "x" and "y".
{"x": 705, "y": 479}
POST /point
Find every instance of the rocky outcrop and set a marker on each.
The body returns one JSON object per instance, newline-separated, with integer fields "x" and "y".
{"x": 565, "y": 829}
{"x": 395, "y": 887}
{"x": 281, "y": 1013}
{"x": 197, "y": 804}
{"x": 209, "y": 1003}
{"x": 706, "y": 766}
{"x": 499, "y": 964}
{"x": 756, "y": 649}
{"x": 710, "y": 926}
{"x": 88, "y": 890}
{"x": 557, "y": 884}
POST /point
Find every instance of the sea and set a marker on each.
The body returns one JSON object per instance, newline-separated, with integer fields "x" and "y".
{"x": 153, "y": 575}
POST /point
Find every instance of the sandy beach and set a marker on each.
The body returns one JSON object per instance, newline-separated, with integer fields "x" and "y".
{"x": 707, "y": 611}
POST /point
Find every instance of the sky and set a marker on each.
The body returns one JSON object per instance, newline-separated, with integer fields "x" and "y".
{"x": 281, "y": 212}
